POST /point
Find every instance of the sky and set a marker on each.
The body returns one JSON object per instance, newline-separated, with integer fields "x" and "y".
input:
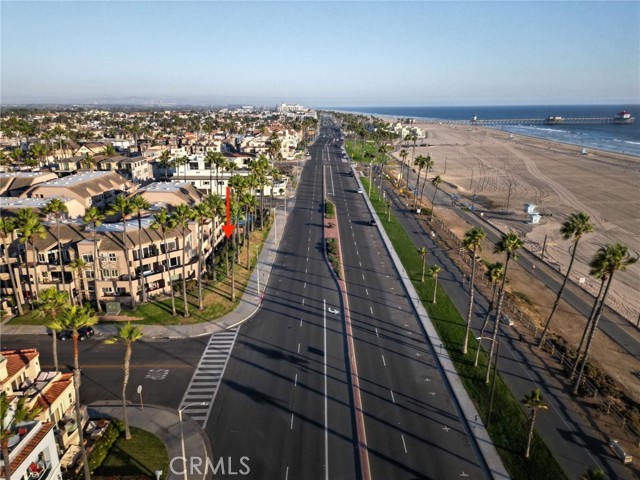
{"x": 321, "y": 53}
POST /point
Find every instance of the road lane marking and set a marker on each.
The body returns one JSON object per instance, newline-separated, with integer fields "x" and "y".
{"x": 295, "y": 381}
{"x": 291, "y": 424}
{"x": 366, "y": 290}
{"x": 303, "y": 301}
{"x": 359, "y": 263}
{"x": 392, "y": 397}
{"x": 377, "y": 334}
{"x": 286, "y": 473}
{"x": 363, "y": 276}
{"x": 305, "y": 285}
{"x": 371, "y": 309}
{"x": 385, "y": 364}
{"x": 298, "y": 348}
{"x": 404, "y": 444}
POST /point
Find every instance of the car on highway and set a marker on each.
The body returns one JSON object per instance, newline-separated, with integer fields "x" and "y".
{"x": 506, "y": 320}
{"x": 83, "y": 334}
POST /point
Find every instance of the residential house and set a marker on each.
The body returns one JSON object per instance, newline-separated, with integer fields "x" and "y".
{"x": 15, "y": 183}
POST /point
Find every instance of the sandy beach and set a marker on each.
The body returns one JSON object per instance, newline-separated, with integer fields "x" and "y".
{"x": 505, "y": 171}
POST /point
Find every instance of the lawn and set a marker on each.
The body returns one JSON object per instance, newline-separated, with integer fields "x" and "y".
{"x": 143, "y": 454}
{"x": 216, "y": 296}
{"x": 508, "y": 428}
{"x": 356, "y": 151}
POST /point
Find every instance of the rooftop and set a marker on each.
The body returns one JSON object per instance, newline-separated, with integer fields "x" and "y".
{"x": 173, "y": 186}
{"x": 18, "y": 202}
{"x": 76, "y": 179}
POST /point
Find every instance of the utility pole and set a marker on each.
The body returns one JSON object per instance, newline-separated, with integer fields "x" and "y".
{"x": 544, "y": 247}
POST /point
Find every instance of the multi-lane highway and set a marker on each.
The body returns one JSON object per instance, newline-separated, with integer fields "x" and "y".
{"x": 286, "y": 401}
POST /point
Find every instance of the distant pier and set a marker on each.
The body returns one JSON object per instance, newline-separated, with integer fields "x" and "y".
{"x": 622, "y": 118}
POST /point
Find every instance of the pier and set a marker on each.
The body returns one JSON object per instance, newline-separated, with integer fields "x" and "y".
{"x": 622, "y": 118}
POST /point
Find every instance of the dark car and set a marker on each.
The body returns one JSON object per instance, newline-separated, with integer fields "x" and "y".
{"x": 372, "y": 222}
{"x": 83, "y": 334}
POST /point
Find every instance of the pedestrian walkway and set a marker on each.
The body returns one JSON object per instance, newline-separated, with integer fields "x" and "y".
{"x": 201, "y": 392}
{"x": 249, "y": 303}
{"x": 165, "y": 424}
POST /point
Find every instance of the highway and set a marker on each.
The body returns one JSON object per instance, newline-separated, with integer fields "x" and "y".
{"x": 284, "y": 401}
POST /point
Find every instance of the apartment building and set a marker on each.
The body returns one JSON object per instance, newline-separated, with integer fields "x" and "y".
{"x": 33, "y": 451}
{"x": 173, "y": 193}
{"x": 12, "y": 205}
{"x": 114, "y": 261}
{"x": 89, "y": 188}
{"x": 13, "y": 184}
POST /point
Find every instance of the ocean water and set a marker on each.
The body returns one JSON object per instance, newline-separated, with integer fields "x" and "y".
{"x": 610, "y": 137}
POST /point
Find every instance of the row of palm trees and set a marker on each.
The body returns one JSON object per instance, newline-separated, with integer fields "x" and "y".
{"x": 64, "y": 316}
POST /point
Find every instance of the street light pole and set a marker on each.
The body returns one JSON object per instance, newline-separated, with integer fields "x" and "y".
{"x": 184, "y": 455}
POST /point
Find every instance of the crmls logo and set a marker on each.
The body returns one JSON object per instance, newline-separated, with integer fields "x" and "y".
{"x": 196, "y": 465}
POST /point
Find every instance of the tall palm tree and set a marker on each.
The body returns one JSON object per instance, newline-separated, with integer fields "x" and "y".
{"x": 7, "y": 227}
{"x": 77, "y": 267}
{"x": 509, "y": 245}
{"x": 72, "y": 319}
{"x": 494, "y": 274}
{"x": 433, "y": 272}
{"x": 138, "y": 204}
{"x": 182, "y": 215}
{"x": 12, "y": 412}
{"x": 181, "y": 161}
{"x": 610, "y": 258}
{"x": 420, "y": 161}
{"x": 217, "y": 210}
{"x": 58, "y": 209}
{"x": 436, "y": 183}
{"x": 576, "y": 225}
{"x": 428, "y": 165}
{"x": 29, "y": 227}
{"x": 600, "y": 272}
{"x": 422, "y": 253}
{"x": 201, "y": 213}
{"x": 403, "y": 154}
{"x": 472, "y": 241}
{"x": 210, "y": 162}
{"x": 94, "y": 217}
{"x": 165, "y": 223}
{"x": 127, "y": 335}
{"x": 122, "y": 208}
{"x": 164, "y": 162}
{"x": 51, "y": 303}
{"x": 250, "y": 203}
{"x": 534, "y": 402}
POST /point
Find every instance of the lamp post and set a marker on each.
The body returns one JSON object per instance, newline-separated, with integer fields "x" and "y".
{"x": 184, "y": 455}
{"x": 495, "y": 371}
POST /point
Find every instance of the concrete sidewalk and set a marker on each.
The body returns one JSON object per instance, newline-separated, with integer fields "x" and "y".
{"x": 165, "y": 424}
{"x": 249, "y": 303}
{"x": 469, "y": 416}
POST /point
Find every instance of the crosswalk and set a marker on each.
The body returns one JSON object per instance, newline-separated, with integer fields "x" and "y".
{"x": 201, "y": 392}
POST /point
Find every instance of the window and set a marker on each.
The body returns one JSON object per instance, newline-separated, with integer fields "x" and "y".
{"x": 108, "y": 257}
{"x": 87, "y": 258}
{"x": 109, "y": 273}
{"x": 171, "y": 246}
{"x": 193, "y": 166}
{"x": 107, "y": 291}
{"x": 88, "y": 274}
{"x": 45, "y": 275}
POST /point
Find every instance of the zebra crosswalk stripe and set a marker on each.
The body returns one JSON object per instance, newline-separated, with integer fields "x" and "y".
{"x": 201, "y": 392}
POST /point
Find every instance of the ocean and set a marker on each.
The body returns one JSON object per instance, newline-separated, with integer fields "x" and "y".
{"x": 611, "y": 137}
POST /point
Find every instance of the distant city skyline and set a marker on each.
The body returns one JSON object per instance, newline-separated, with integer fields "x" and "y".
{"x": 321, "y": 54}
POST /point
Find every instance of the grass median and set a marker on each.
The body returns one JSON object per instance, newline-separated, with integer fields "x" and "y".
{"x": 509, "y": 424}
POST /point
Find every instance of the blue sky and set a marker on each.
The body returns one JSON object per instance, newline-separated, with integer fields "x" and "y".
{"x": 329, "y": 53}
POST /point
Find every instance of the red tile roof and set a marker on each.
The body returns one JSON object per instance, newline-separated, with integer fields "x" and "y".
{"x": 54, "y": 390}
{"x": 18, "y": 359}
{"x": 29, "y": 447}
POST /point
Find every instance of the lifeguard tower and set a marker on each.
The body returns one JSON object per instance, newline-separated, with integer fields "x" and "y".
{"x": 530, "y": 209}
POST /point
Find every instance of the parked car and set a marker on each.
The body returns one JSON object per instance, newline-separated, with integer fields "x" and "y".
{"x": 506, "y": 320}
{"x": 359, "y": 190}
{"x": 372, "y": 222}
{"x": 83, "y": 334}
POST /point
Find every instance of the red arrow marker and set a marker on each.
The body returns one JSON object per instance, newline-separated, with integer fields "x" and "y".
{"x": 228, "y": 228}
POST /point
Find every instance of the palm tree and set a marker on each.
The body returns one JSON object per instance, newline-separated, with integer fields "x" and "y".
{"x": 182, "y": 215}
{"x": 428, "y": 165}
{"x": 433, "y": 272}
{"x": 127, "y": 335}
{"x": 201, "y": 213}
{"x": 533, "y": 402}
{"x": 576, "y": 225}
{"x": 122, "y": 208}
{"x": 250, "y": 203}
{"x": 436, "y": 183}
{"x": 138, "y": 204}
{"x": 403, "y": 155}
{"x": 109, "y": 150}
{"x": 472, "y": 241}
{"x": 29, "y": 227}
{"x": 420, "y": 161}
{"x": 88, "y": 162}
{"x": 11, "y": 415}
{"x": 7, "y": 227}
{"x": 72, "y": 319}
{"x": 494, "y": 274}
{"x": 210, "y": 162}
{"x": 593, "y": 474}
{"x": 181, "y": 161}
{"x": 217, "y": 210}
{"x": 58, "y": 209}
{"x": 610, "y": 258}
{"x": 422, "y": 253}
{"x": 164, "y": 161}
{"x": 600, "y": 272}
{"x": 165, "y": 223}
{"x": 509, "y": 245}
{"x": 94, "y": 217}
{"x": 51, "y": 303}
{"x": 77, "y": 266}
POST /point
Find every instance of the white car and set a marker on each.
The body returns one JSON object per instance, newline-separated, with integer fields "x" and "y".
{"x": 359, "y": 190}
{"x": 506, "y": 320}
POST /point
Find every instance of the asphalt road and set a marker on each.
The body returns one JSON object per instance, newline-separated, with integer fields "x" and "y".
{"x": 162, "y": 367}
{"x": 284, "y": 401}
{"x": 566, "y": 428}
{"x": 412, "y": 426}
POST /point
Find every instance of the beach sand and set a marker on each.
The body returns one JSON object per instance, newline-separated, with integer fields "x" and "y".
{"x": 501, "y": 168}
